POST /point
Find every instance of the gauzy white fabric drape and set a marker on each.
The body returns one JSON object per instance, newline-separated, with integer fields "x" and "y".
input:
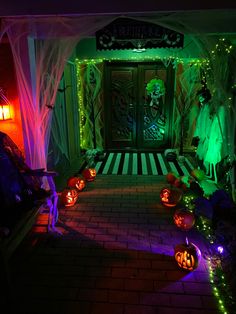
{"x": 40, "y": 48}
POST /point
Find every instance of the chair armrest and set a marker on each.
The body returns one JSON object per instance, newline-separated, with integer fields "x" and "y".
{"x": 39, "y": 173}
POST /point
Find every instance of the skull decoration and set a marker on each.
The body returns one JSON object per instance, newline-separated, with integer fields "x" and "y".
{"x": 187, "y": 255}
{"x": 76, "y": 182}
{"x": 89, "y": 174}
{"x": 69, "y": 196}
{"x": 184, "y": 219}
{"x": 170, "y": 197}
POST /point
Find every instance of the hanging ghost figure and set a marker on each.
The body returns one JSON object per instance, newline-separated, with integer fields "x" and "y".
{"x": 209, "y": 132}
{"x": 203, "y": 124}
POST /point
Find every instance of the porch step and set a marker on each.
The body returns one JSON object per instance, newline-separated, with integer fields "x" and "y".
{"x": 123, "y": 163}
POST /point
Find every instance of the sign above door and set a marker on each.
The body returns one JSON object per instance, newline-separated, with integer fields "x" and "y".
{"x": 126, "y": 33}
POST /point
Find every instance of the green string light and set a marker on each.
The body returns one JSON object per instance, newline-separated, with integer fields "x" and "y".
{"x": 171, "y": 59}
{"x": 217, "y": 284}
{"x": 81, "y": 105}
{"x": 216, "y": 276}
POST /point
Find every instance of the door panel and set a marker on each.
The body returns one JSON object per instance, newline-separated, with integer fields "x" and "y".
{"x": 121, "y": 109}
{"x": 132, "y": 120}
{"x": 155, "y": 118}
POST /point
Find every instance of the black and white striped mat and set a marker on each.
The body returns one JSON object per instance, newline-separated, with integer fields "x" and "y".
{"x": 142, "y": 164}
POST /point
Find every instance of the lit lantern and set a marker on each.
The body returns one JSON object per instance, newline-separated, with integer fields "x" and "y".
{"x": 184, "y": 219}
{"x": 89, "y": 174}
{"x": 69, "y": 196}
{"x": 187, "y": 255}
{"x": 76, "y": 182}
{"x": 170, "y": 197}
{"x": 5, "y": 113}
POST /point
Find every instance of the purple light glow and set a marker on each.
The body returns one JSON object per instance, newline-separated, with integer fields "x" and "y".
{"x": 220, "y": 249}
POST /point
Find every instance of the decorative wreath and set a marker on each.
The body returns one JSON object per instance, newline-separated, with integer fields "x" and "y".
{"x": 172, "y": 39}
{"x": 106, "y": 39}
{"x": 157, "y": 87}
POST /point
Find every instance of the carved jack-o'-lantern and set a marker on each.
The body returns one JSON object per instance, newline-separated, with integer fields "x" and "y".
{"x": 184, "y": 219}
{"x": 76, "y": 182}
{"x": 187, "y": 255}
{"x": 170, "y": 197}
{"x": 69, "y": 196}
{"x": 89, "y": 174}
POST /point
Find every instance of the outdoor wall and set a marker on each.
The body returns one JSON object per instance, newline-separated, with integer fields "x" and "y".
{"x": 12, "y": 127}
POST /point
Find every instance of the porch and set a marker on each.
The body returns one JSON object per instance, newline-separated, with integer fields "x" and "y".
{"x": 115, "y": 256}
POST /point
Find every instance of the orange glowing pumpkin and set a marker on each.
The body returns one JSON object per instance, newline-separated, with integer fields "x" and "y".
{"x": 187, "y": 255}
{"x": 184, "y": 219}
{"x": 76, "y": 182}
{"x": 170, "y": 197}
{"x": 69, "y": 196}
{"x": 89, "y": 174}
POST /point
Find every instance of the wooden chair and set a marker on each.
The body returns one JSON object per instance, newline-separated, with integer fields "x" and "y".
{"x": 31, "y": 181}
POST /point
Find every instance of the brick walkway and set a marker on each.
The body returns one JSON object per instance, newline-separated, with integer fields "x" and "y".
{"x": 115, "y": 257}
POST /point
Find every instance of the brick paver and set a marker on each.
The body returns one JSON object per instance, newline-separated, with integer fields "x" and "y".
{"x": 115, "y": 256}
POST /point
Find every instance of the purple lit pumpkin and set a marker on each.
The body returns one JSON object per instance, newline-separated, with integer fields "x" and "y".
{"x": 170, "y": 197}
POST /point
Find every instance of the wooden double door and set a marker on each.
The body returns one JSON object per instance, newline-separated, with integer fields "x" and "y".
{"x": 132, "y": 119}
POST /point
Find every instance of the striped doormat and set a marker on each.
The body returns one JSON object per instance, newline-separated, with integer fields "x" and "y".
{"x": 141, "y": 164}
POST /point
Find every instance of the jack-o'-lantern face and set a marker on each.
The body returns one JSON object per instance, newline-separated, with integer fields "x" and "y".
{"x": 76, "y": 182}
{"x": 187, "y": 256}
{"x": 69, "y": 196}
{"x": 184, "y": 219}
{"x": 170, "y": 196}
{"x": 89, "y": 174}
